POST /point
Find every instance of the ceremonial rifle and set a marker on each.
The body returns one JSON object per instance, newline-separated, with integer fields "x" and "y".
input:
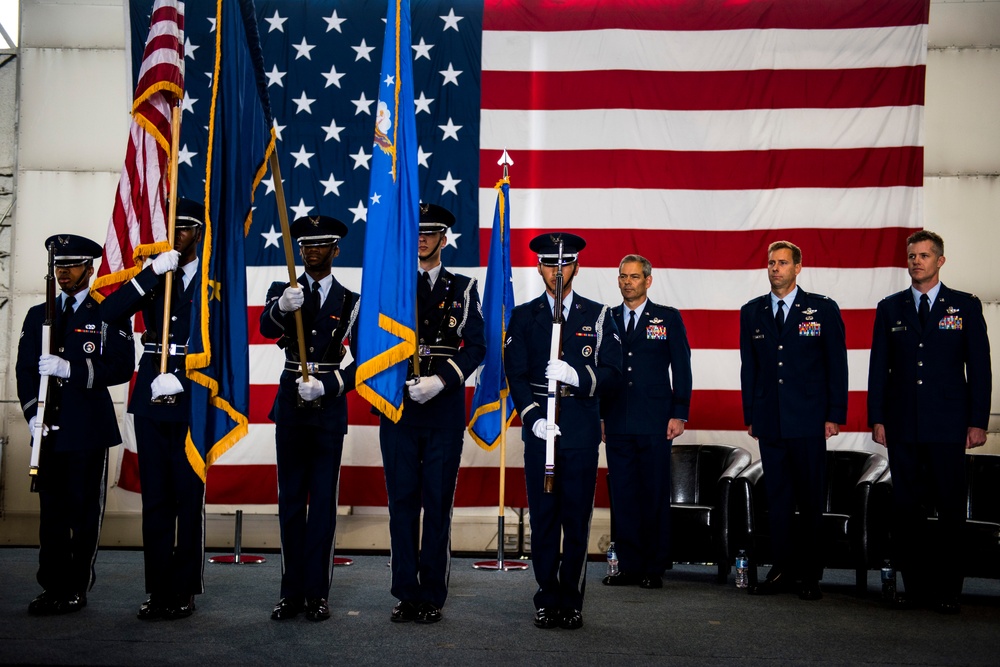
{"x": 43, "y": 384}
{"x": 552, "y": 404}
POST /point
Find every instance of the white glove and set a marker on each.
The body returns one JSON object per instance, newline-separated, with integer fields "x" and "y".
{"x": 560, "y": 371}
{"x": 166, "y": 261}
{"x": 291, "y": 299}
{"x": 427, "y": 388}
{"x": 49, "y": 364}
{"x": 166, "y": 384}
{"x": 311, "y": 390}
{"x": 31, "y": 427}
{"x": 541, "y": 426}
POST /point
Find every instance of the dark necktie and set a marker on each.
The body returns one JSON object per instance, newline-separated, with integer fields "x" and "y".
{"x": 631, "y": 323}
{"x": 317, "y": 298}
{"x": 424, "y": 287}
{"x": 779, "y": 316}
{"x": 925, "y": 309}
{"x": 67, "y": 314}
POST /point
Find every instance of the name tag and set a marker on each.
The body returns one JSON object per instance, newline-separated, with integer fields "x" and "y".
{"x": 809, "y": 328}
{"x": 895, "y": 329}
{"x": 656, "y": 332}
{"x": 951, "y": 323}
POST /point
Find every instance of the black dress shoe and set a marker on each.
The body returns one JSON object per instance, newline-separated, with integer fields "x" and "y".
{"x": 809, "y": 590}
{"x": 620, "y": 579}
{"x": 653, "y": 581}
{"x": 287, "y": 608}
{"x": 43, "y": 605}
{"x": 152, "y": 609}
{"x": 428, "y": 613}
{"x": 775, "y": 583}
{"x": 547, "y": 618}
{"x": 317, "y": 609}
{"x": 571, "y": 619}
{"x": 404, "y": 612}
{"x": 182, "y": 607}
{"x": 67, "y": 604}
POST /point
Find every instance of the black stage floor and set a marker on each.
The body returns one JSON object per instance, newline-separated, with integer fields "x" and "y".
{"x": 487, "y": 621}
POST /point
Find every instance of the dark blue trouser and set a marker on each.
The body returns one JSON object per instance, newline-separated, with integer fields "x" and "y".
{"x": 639, "y": 470}
{"x": 308, "y": 481}
{"x": 927, "y": 477}
{"x": 71, "y": 493}
{"x": 795, "y": 475}
{"x": 421, "y": 471}
{"x": 568, "y": 509}
{"x": 173, "y": 510}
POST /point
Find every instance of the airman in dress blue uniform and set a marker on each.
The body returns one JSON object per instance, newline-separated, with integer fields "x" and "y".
{"x": 310, "y": 417}
{"x": 421, "y": 453}
{"x": 588, "y": 369}
{"x": 929, "y": 390}
{"x": 640, "y": 423}
{"x": 86, "y": 357}
{"x": 173, "y": 495}
{"x": 794, "y": 387}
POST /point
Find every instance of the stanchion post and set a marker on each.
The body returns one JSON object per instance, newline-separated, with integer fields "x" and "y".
{"x": 237, "y": 558}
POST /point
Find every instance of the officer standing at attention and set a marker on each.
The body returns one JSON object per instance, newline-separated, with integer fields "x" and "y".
{"x": 640, "y": 422}
{"x": 794, "y": 386}
{"x": 86, "y": 356}
{"x": 421, "y": 453}
{"x": 173, "y": 495}
{"x": 589, "y": 368}
{"x": 929, "y": 389}
{"x": 310, "y": 417}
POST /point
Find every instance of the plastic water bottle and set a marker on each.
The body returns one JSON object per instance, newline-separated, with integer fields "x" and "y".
{"x": 742, "y": 570}
{"x": 612, "y": 561}
{"x": 888, "y": 581}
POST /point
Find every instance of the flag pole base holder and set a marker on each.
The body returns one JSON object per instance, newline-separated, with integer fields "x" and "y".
{"x": 237, "y": 558}
{"x": 500, "y": 564}
{"x": 506, "y": 565}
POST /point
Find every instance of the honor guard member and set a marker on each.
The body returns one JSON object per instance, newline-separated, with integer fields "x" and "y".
{"x": 421, "y": 453}
{"x": 86, "y": 356}
{"x": 589, "y": 368}
{"x": 310, "y": 417}
{"x": 173, "y": 495}
{"x": 929, "y": 391}
{"x": 794, "y": 387}
{"x": 640, "y": 423}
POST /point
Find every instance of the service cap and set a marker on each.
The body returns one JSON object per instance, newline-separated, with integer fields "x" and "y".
{"x": 547, "y": 247}
{"x": 318, "y": 230}
{"x": 190, "y": 213}
{"x": 73, "y": 250}
{"x": 434, "y": 218}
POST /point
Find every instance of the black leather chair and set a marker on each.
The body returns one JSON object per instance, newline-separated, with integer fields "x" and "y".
{"x": 701, "y": 477}
{"x": 981, "y": 540}
{"x": 853, "y": 531}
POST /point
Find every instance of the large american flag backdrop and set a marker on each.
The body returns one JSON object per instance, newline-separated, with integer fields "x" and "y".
{"x": 693, "y": 132}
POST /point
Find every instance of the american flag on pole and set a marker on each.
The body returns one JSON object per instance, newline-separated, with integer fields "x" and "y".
{"x": 138, "y": 226}
{"x": 693, "y": 132}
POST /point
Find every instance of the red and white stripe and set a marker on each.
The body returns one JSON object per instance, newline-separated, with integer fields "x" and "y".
{"x": 138, "y": 225}
{"x": 693, "y": 133}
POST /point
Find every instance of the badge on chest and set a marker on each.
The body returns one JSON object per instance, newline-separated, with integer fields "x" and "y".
{"x": 810, "y": 328}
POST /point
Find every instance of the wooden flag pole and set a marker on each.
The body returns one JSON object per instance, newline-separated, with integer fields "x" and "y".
{"x": 168, "y": 284}
{"x": 286, "y": 239}
{"x": 500, "y": 563}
